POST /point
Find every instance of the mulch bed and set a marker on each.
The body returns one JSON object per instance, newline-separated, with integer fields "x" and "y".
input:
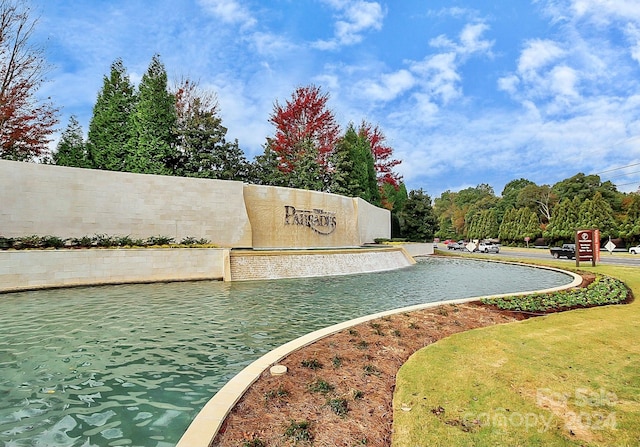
{"x": 339, "y": 390}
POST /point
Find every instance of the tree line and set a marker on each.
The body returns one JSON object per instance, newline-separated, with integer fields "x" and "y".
{"x": 544, "y": 214}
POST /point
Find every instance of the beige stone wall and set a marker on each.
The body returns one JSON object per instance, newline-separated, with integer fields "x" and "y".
{"x": 373, "y": 222}
{"x": 295, "y": 218}
{"x": 36, "y": 269}
{"x": 72, "y": 202}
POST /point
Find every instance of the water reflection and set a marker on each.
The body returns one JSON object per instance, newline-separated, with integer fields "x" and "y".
{"x": 132, "y": 365}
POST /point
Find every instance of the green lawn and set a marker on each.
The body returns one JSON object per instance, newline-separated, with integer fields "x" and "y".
{"x": 569, "y": 379}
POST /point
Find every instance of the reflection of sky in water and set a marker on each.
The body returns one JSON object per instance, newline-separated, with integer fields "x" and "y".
{"x": 132, "y": 365}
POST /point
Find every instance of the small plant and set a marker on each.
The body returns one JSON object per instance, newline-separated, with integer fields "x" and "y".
{"x": 339, "y": 406}
{"x": 412, "y": 325}
{"x": 52, "y": 242}
{"x": 357, "y": 394}
{"x": 396, "y": 333}
{"x": 104, "y": 241}
{"x": 442, "y": 311}
{"x": 255, "y": 442}
{"x": 313, "y": 364}
{"x": 320, "y": 386}
{"x": 160, "y": 240}
{"x": 279, "y": 393}
{"x": 370, "y": 370}
{"x": 353, "y": 332}
{"x": 124, "y": 241}
{"x": 299, "y": 431}
{"x": 375, "y": 325}
{"x": 30, "y": 242}
{"x": 336, "y": 361}
{"x": 362, "y": 344}
{"x": 84, "y": 242}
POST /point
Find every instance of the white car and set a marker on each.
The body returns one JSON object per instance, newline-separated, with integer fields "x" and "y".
{"x": 487, "y": 247}
{"x": 635, "y": 250}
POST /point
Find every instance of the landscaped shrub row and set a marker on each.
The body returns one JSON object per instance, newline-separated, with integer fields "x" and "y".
{"x": 603, "y": 290}
{"x": 99, "y": 240}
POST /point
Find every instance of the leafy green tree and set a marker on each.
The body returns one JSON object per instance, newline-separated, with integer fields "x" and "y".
{"x": 109, "y": 130}
{"x": 71, "y": 150}
{"x": 353, "y": 169}
{"x": 204, "y": 151}
{"x": 538, "y": 198}
{"x": 630, "y": 226}
{"x": 585, "y": 187}
{"x": 597, "y": 213}
{"x": 151, "y": 148}
{"x": 419, "y": 220}
{"x": 509, "y": 196}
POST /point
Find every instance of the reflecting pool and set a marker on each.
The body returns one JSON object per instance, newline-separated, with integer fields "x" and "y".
{"x": 133, "y": 364}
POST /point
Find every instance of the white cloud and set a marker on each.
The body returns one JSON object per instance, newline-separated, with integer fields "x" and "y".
{"x": 354, "y": 19}
{"x": 389, "y": 87}
{"x": 229, "y": 11}
{"x": 538, "y": 54}
{"x": 471, "y": 39}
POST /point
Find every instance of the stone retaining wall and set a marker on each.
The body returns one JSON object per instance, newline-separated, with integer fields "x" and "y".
{"x": 39, "y": 269}
{"x": 268, "y": 264}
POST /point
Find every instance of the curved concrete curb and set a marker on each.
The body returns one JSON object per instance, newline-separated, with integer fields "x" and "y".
{"x": 208, "y": 421}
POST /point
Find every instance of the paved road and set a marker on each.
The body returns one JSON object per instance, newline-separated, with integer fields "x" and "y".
{"x": 605, "y": 257}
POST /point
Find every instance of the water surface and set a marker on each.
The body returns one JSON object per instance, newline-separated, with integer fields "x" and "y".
{"x": 133, "y": 364}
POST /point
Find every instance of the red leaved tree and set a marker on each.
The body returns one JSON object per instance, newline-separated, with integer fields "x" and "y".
{"x": 26, "y": 124}
{"x": 382, "y": 155}
{"x": 306, "y": 133}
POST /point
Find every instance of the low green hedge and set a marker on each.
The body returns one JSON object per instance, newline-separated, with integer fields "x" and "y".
{"x": 603, "y": 290}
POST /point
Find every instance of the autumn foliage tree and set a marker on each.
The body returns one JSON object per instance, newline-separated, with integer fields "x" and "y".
{"x": 26, "y": 123}
{"x": 383, "y": 160}
{"x": 305, "y": 137}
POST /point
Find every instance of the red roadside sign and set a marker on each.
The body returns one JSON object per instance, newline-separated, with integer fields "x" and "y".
{"x": 586, "y": 247}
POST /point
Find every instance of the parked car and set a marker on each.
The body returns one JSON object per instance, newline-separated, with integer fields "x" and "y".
{"x": 488, "y": 247}
{"x": 567, "y": 250}
{"x": 635, "y": 250}
{"x": 455, "y": 246}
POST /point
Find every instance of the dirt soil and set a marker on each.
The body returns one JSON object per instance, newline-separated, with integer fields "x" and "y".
{"x": 339, "y": 390}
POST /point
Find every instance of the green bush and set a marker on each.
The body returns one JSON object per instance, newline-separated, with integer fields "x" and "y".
{"x": 603, "y": 290}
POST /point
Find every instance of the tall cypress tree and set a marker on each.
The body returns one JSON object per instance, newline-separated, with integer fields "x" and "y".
{"x": 71, "y": 150}
{"x": 109, "y": 130}
{"x": 152, "y": 144}
{"x": 354, "y": 172}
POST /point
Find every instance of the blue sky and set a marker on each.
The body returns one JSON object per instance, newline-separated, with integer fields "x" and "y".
{"x": 466, "y": 92}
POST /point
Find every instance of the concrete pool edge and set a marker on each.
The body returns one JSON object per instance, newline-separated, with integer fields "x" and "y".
{"x": 209, "y": 420}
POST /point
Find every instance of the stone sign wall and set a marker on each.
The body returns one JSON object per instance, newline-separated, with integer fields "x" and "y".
{"x": 71, "y": 202}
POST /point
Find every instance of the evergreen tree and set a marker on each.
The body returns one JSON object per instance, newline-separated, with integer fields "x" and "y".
{"x": 109, "y": 130}
{"x": 265, "y": 171}
{"x": 353, "y": 169}
{"x": 419, "y": 220}
{"x": 630, "y": 228}
{"x": 483, "y": 225}
{"x": 152, "y": 146}
{"x": 564, "y": 221}
{"x": 71, "y": 150}
{"x": 204, "y": 151}
{"x": 597, "y": 213}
